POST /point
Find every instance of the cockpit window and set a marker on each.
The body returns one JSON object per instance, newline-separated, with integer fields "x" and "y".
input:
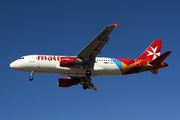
{"x": 21, "y": 58}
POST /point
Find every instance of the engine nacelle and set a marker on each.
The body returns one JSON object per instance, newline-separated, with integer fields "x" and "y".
{"x": 64, "y": 82}
{"x": 67, "y": 61}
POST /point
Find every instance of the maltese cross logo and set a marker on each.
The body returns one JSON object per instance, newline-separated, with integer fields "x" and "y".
{"x": 155, "y": 55}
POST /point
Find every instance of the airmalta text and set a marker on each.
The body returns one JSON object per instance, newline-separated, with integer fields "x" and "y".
{"x": 49, "y": 58}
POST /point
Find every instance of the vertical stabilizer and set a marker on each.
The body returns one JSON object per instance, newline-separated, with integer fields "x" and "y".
{"x": 152, "y": 52}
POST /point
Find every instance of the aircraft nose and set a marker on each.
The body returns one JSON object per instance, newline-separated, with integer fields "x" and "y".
{"x": 12, "y": 65}
{"x": 16, "y": 65}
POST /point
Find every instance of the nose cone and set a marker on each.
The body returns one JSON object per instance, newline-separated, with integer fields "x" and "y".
{"x": 15, "y": 65}
{"x": 12, "y": 65}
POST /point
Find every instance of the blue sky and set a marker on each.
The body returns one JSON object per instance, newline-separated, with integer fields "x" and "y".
{"x": 65, "y": 28}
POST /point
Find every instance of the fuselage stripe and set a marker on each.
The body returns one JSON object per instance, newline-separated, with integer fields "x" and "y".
{"x": 118, "y": 63}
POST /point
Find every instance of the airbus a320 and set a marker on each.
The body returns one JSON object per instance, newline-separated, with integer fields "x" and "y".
{"x": 81, "y": 67}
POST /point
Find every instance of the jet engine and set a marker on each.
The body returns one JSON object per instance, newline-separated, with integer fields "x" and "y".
{"x": 66, "y": 82}
{"x": 70, "y": 61}
{"x": 67, "y": 61}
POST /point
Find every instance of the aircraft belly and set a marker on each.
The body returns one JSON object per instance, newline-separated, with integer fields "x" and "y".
{"x": 71, "y": 71}
{"x": 42, "y": 67}
{"x": 79, "y": 73}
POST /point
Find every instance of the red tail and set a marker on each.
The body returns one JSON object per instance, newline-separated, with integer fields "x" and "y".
{"x": 152, "y": 52}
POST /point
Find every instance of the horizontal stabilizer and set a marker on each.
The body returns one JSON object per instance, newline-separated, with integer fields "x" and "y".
{"x": 161, "y": 58}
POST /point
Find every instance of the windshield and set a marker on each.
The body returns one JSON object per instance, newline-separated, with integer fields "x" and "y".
{"x": 21, "y": 58}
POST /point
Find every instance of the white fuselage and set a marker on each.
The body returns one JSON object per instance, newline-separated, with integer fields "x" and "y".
{"x": 51, "y": 64}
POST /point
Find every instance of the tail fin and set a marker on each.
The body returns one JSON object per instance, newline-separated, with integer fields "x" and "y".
{"x": 152, "y": 52}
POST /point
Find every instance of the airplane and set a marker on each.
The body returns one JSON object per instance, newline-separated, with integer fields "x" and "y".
{"x": 81, "y": 67}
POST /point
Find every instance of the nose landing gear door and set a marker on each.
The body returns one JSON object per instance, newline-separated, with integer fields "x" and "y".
{"x": 31, "y": 59}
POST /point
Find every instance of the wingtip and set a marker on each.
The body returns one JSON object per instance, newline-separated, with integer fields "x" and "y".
{"x": 116, "y": 25}
{"x": 95, "y": 89}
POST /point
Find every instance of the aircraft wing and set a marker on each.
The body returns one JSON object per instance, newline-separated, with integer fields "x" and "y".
{"x": 89, "y": 53}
